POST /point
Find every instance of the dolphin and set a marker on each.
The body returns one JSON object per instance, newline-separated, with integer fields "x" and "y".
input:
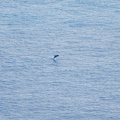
{"x": 55, "y": 56}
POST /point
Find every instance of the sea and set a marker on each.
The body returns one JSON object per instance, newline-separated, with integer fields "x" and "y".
{"x": 83, "y": 83}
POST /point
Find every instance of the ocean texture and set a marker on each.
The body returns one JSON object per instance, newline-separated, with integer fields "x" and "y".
{"x": 83, "y": 83}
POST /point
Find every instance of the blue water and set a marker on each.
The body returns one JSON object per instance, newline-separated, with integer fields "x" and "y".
{"x": 83, "y": 83}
